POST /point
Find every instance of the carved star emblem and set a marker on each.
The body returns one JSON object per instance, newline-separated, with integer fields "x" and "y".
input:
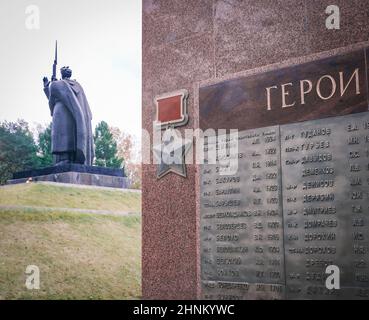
{"x": 170, "y": 154}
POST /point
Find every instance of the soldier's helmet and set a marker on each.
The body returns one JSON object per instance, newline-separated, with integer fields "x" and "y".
{"x": 66, "y": 72}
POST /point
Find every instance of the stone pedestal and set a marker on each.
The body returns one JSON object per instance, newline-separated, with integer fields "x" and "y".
{"x": 75, "y": 174}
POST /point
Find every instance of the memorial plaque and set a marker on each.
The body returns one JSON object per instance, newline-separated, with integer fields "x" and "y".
{"x": 299, "y": 201}
{"x": 325, "y": 205}
{"x": 218, "y": 290}
{"x": 241, "y": 215}
{"x": 323, "y": 88}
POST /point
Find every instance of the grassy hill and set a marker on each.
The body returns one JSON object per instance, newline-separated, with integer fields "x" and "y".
{"x": 53, "y": 195}
{"x": 85, "y": 241}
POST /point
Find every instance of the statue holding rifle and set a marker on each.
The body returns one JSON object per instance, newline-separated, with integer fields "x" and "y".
{"x": 71, "y": 134}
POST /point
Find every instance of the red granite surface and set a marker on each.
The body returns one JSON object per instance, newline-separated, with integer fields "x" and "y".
{"x": 190, "y": 43}
{"x": 177, "y": 52}
{"x": 169, "y": 242}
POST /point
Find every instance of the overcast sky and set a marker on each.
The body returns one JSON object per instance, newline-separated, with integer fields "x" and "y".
{"x": 99, "y": 39}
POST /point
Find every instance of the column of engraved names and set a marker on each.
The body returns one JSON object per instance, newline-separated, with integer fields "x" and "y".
{"x": 219, "y": 191}
{"x": 241, "y": 218}
{"x": 318, "y": 201}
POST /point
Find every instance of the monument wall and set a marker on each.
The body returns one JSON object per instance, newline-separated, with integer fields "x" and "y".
{"x": 219, "y": 49}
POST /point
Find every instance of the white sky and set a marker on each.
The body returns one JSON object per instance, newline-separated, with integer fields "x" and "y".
{"x": 99, "y": 39}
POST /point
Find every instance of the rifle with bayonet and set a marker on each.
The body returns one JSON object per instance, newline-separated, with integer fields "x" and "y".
{"x": 53, "y": 77}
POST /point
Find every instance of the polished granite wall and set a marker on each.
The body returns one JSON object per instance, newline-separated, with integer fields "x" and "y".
{"x": 192, "y": 43}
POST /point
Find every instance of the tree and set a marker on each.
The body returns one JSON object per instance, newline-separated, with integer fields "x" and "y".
{"x": 44, "y": 146}
{"x": 18, "y": 150}
{"x": 106, "y": 147}
{"x": 128, "y": 149}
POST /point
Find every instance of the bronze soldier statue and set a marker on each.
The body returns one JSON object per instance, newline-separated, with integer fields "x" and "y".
{"x": 71, "y": 134}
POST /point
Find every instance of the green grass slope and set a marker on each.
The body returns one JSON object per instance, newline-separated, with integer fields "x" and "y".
{"x": 80, "y": 255}
{"x": 52, "y": 195}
